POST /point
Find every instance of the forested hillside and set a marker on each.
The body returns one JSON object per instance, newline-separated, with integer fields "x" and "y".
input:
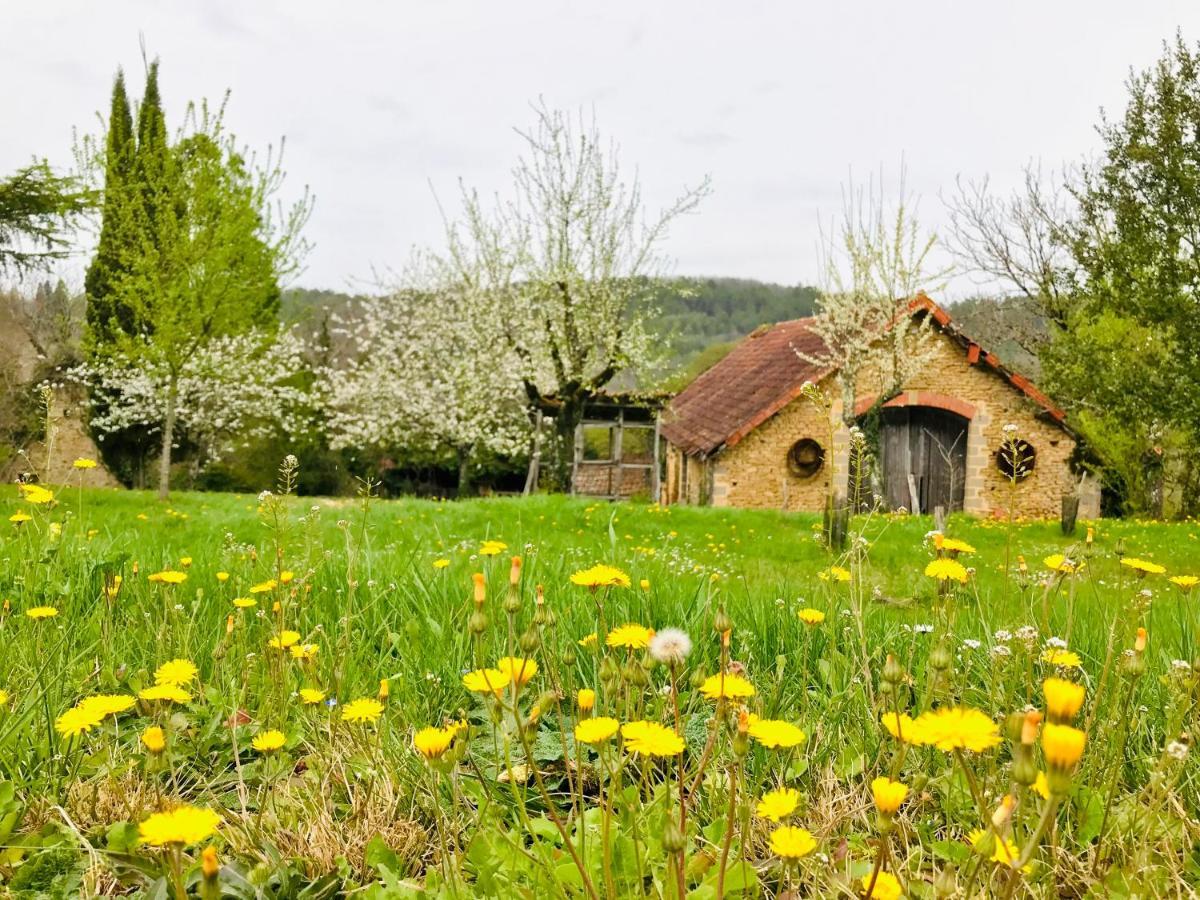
{"x": 715, "y": 312}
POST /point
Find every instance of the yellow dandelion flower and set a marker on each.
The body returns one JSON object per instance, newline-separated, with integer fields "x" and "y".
{"x": 84, "y": 463}
{"x": 651, "y": 739}
{"x": 774, "y": 734}
{"x": 222, "y": 577}
{"x": 946, "y": 570}
{"x": 244, "y": 602}
{"x": 731, "y": 687}
{"x": 264, "y": 586}
{"x": 518, "y": 669}
{"x": 630, "y": 636}
{"x": 167, "y": 576}
{"x": 177, "y": 671}
{"x": 1066, "y": 659}
{"x": 600, "y": 576}
{"x": 431, "y": 743}
{"x": 441, "y": 563}
{"x": 596, "y": 731}
{"x": 1187, "y": 582}
{"x": 36, "y": 494}
{"x": 586, "y": 699}
{"x": 492, "y": 548}
{"x": 304, "y": 652}
{"x": 954, "y": 545}
{"x": 956, "y": 728}
{"x": 1063, "y": 699}
{"x": 283, "y": 640}
{"x": 41, "y": 612}
{"x": 19, "y": 518}
{"x": 835, "y": 573}
{"x": 888, "y": 794}
{"x": 181, "y": 826}
{"x": 366, "y": 709}
{"x": 311, "y": 696}
{"x": 1006, "y": 851}
{"x": 790, "y": 843}
{"x": 483, "y": 681}
{"x": 1142, "y": 566}
{"x": 588, "y": 640}
{"x": 172, "y": 693}
{"x": 268, "y": 741}
{"x": 1062, "y": 746}
{"x": 887, "y": 887}
{"x": 778, "y": 804}
{"x": 77, "y": 720}
{"x": 154, "y": 740}
{"x": 810, "y": 616}
{"x": 899, "y": 727}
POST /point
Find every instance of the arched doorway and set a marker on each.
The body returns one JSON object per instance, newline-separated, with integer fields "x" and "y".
{"x": 923, "y": 457}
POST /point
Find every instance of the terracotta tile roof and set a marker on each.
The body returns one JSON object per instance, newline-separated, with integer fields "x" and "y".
{"x": 763, "y": 374}
{"x": 756, "y": 379}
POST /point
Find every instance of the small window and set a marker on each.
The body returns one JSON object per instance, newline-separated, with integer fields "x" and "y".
{"x": 805, "y": 458}
{"x": 598, "y": 443}
{"x": 1016, "y": 459}
{"x": 637, "y": 444}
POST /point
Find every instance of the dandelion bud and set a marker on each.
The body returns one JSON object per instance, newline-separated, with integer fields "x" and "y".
{"x": 229, "y": 624}
{"x": 1062, "y": 747}
{"x": 985, "y": 844}
{"x": 1022, "y": 566}
{"x": 1024, "y": 770}
{"x": 209, "y": 864}
{"x": 1003, "y": 814}
{"x": 540, "y": 613}
{"x": 919, "y": 782}
{"x": 672, "y": 837}
{"x": 644, "y": 584}
{"x": 586, "y": 698}
{"x": 154, "y": 740}
{"x": 514, "y": 573}
{"x": 1063, "y": 699}
{"x": 1091, "y": 535}
{"x": 888, "y": 795}
{"x": 725, "y": 635}
{"x": 480, "y": 588}
{"x": 569, "y": 658}
{"x": 939, "y": 540}
{"x": 940, "y": 658}
{"x": 512, "y": 601}
{"x": 946, "y": 884}
{"x": 636, "y": 675}
{"x": 698, "y": 678}
{"x": 478, "y": 622}
{"x": 1013, "y": 723}
{"x": 1029, "y": 728}
{"x": 384, "y": 690}
{"x": 276, "y": 607}
{"x": 1139, "y": 643}
{"x": 721, "y": 621}
{"x": 530, "y": 641}
{"x": 135, "y": 568}
{"x": 741, "y": 740}
{"x": 893, "y": 672}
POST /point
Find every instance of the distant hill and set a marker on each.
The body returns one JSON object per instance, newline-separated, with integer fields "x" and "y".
{"x": 702, "y": 326}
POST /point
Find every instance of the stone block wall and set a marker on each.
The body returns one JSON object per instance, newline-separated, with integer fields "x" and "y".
{"x": 754, "y": 472}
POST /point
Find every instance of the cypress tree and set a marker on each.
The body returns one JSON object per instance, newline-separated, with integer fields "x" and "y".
{"x": 102, "y": 305}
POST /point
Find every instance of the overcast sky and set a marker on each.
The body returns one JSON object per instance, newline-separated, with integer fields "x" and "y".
{"x": 382, "y": 103}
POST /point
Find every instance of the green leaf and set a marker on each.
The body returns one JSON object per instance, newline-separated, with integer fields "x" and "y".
{"x": 955, "y": 851}
{"x": 377, "y": 853}
{"x": 121, "y": 837}
{"x": 1089, "y": 814}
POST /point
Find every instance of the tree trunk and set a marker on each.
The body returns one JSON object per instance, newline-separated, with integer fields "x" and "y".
{"x": 561, "y": 458}
{"x": 464, "y": 471}
{"x": 168, "y": 436}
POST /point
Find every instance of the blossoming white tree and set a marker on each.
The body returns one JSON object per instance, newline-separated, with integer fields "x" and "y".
{"x": 876, "y": 260}
{"x": 421, "y": 370}
{"x": 564, "y": 274}
{"x": 231, "y": 390}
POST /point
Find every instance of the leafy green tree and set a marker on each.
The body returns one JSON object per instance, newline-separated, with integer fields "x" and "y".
{"x": 1126, "y": 357}
{"x": 120, "y": 149}
{"x": 206, "y": 251}
{"x": 37, "y": 209}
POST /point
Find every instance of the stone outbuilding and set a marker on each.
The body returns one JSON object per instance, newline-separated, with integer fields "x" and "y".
{"x": 743, "y": 434}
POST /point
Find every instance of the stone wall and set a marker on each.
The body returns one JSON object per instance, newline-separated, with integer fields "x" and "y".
{"x": 755, "y": 473}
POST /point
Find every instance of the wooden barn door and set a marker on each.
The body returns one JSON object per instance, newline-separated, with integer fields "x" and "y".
{"x": 924, "y": 456}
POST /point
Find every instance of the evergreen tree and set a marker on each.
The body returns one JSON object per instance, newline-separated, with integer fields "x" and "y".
{"x": 102, "y": 306}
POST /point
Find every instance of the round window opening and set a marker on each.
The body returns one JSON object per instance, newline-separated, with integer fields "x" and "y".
{"x": 1016, "y": 459}
{"x": 805, "y": 458}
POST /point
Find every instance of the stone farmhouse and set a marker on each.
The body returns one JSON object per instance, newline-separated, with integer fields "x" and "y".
{"x": 742, "y": 434}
